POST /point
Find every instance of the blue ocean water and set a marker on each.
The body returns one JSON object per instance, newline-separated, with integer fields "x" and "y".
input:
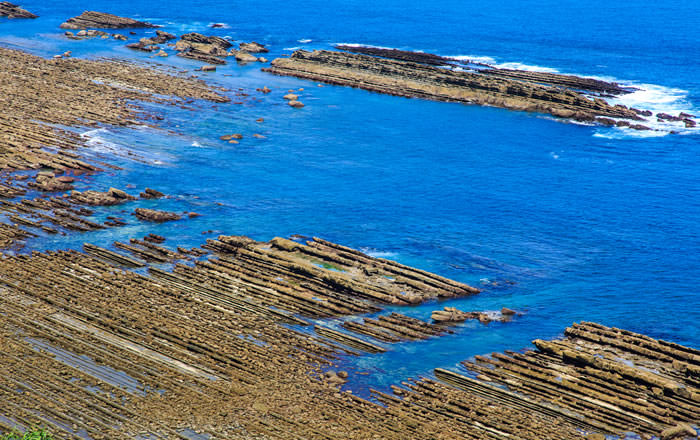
{"x": 589, "y": 223}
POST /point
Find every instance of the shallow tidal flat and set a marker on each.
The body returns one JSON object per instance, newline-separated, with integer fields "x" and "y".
{"x": 232, "y": 339}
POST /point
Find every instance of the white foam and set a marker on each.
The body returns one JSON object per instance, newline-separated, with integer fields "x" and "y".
{"x": 375, "y": 253}
{"x": 305, "y": 40}
{"x": 473, "y": 59}
{"x": 525, "y": 67}
{"x": 98, "y": 144}
{"x": 292, "y": 48}
{"x": 617, "y": 133}
{"x": 195, "y": 144}
{"x": 363, "y": 45}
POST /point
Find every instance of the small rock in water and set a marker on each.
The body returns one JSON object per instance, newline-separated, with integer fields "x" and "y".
{"x": 258, "y": 136}
{"x": 260, "y": 120}
{"x": 505, "y": 311}
{"x": 149, "y": 193}
{"x": 296, "y": 104}
{"x": 163, "y": 53}
{"x": 154, "y": 215}
{"x": 252, "y": 47}
{"x": 207, "y": 68}
{"x": 231, "y": 136}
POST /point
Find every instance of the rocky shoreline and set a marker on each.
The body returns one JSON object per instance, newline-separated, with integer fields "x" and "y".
{"x": 202, "y": 335}
{"x": 236, "y": 339}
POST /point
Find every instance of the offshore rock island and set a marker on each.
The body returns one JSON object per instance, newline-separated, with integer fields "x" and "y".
{"x": 240, "y": 338}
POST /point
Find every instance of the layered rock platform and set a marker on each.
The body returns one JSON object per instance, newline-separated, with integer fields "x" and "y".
{"x": 186, "y": 342}
{"x": 10, "y": 10}
{"x": 103, "y": 20}
{"x": 417, "y": 76}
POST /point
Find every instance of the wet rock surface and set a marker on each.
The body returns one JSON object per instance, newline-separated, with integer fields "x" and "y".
{"x": 11, "y": 10}
{"x": 515, "y": 90}
{"x": 93, "y": 19}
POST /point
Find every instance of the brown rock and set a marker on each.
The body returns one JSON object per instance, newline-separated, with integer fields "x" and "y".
{"x": 154, "y": 215}
{"x": 681, "y": 430}
{"x": 291, "y": 97}
{"x": 296, "y": 104}
{"x": 252, "y": 47}
{"x": 103, "y": 20}
{"x": 243, "y": 57}
{"x": 10, "y": 10}
{"x": 149, "y": 193}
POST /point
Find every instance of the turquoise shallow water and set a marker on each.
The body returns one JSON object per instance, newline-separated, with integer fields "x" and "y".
{"x": 589, "y": 223}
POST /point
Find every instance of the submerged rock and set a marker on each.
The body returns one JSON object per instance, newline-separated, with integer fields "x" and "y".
{"x": 93, "y": 19}
{"x": 10, "y": 10}
{"x": 231, "y": 136}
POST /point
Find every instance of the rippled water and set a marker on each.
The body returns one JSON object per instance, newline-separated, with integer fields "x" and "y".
{"x": 590, "y": 223}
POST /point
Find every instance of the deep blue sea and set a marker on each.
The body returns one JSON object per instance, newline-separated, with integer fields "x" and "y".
{"x": 589, "y": 223}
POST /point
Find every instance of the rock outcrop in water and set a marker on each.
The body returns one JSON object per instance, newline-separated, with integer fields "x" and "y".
{"x": 555, "y": 79}
{"x": 10, "y": 10}
{"x": 103, "y": 20}
{"x": 507, "y": 89}
{"x": 154, "y": 215}
{"x": 199, "y": 47}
